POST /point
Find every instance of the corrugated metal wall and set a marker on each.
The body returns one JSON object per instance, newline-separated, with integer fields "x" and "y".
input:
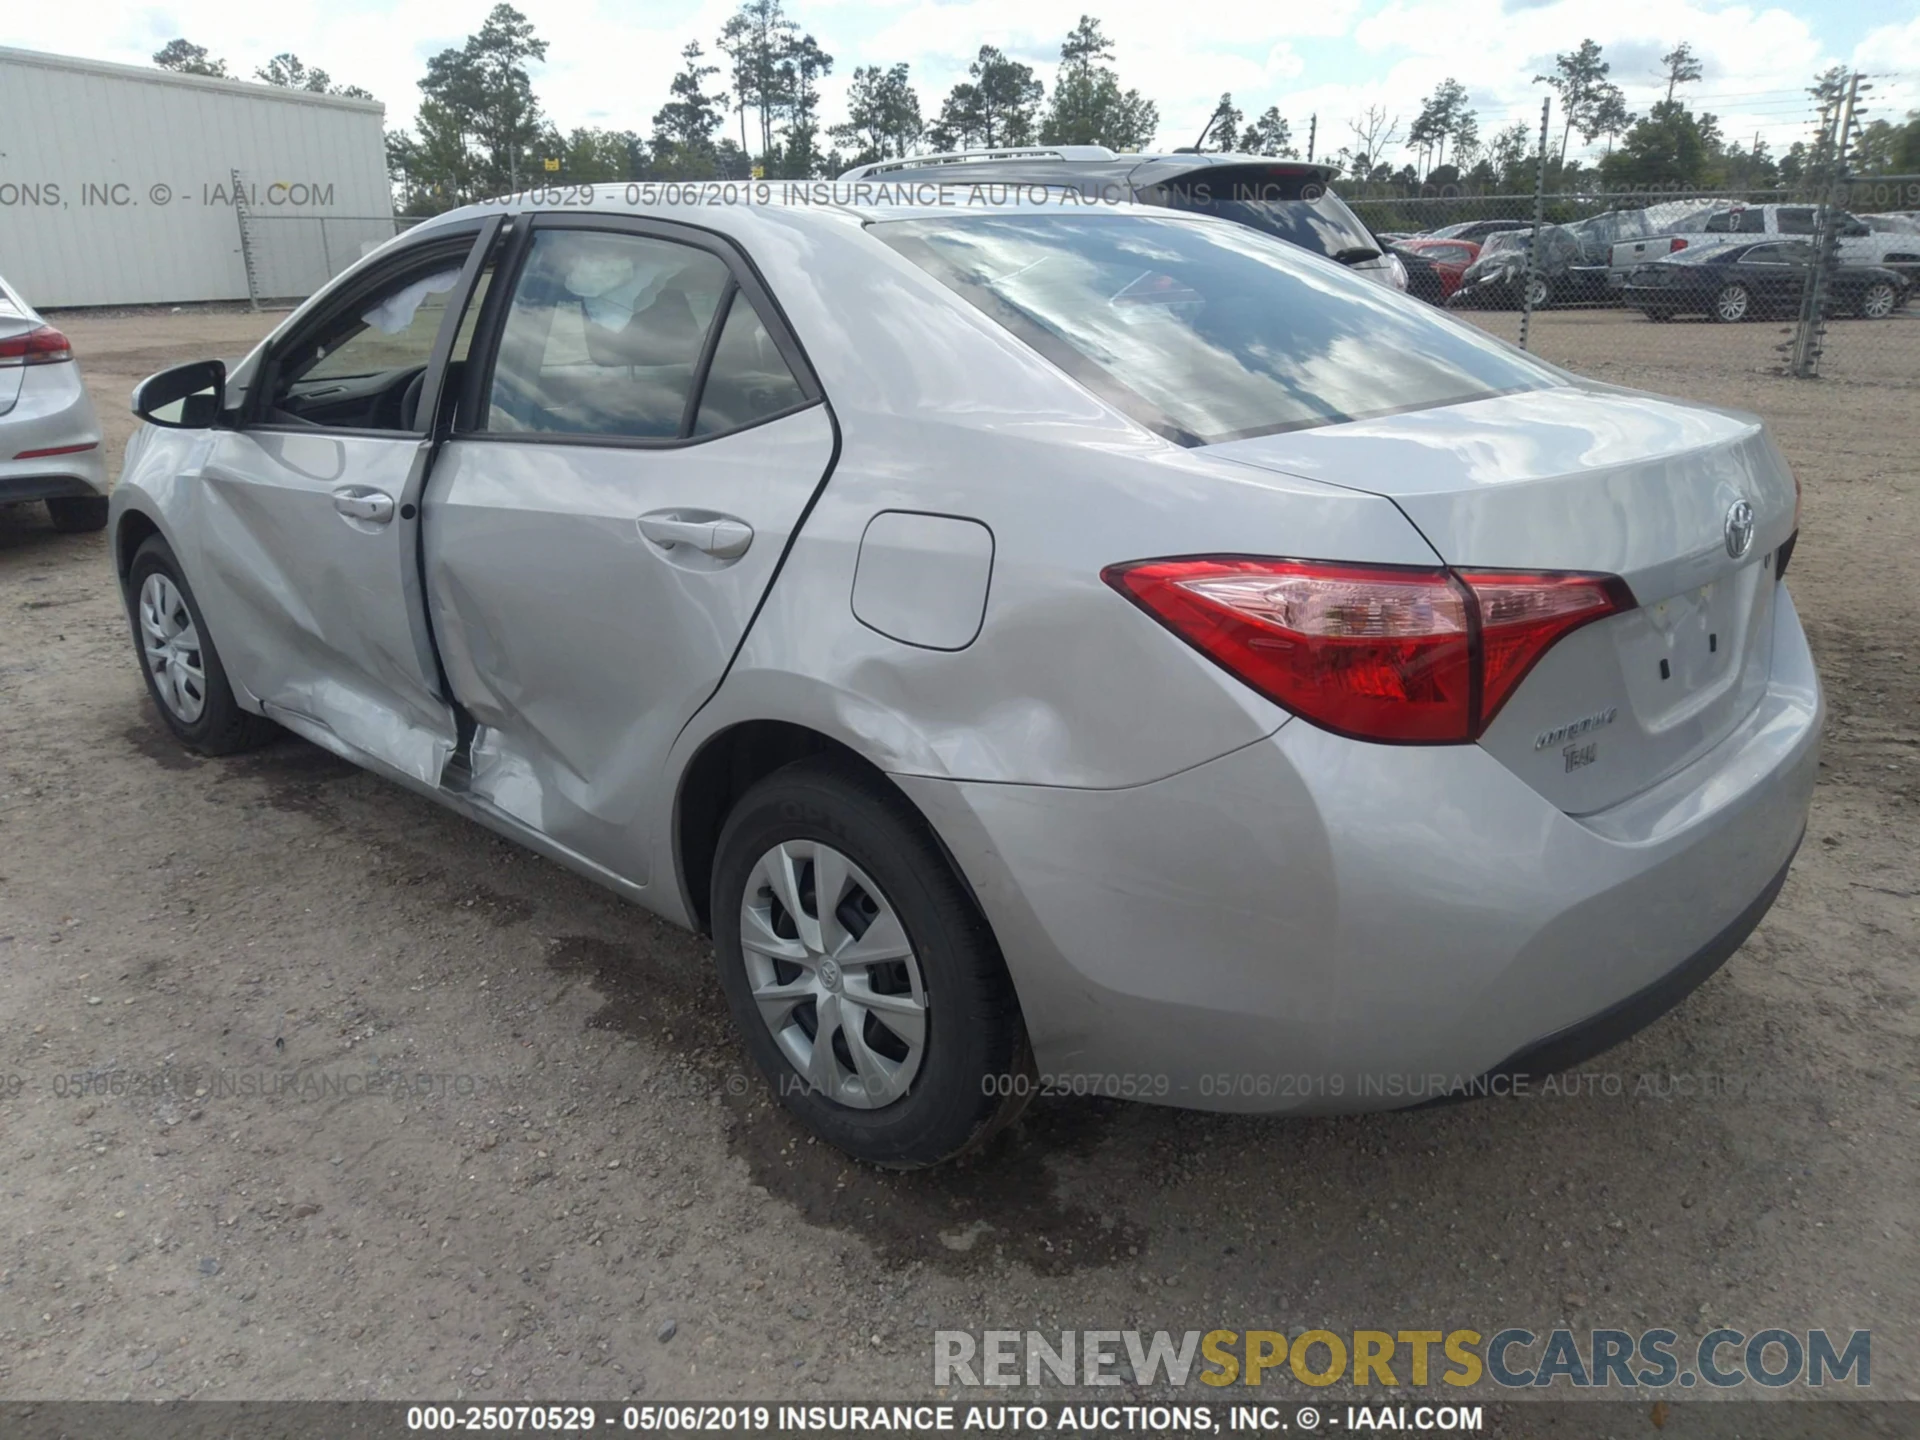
{"x": 116, "y": 183}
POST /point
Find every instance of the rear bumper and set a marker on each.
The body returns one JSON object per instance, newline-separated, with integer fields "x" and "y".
{"x": 30, "y": 486}
{"x": 1316, "y": 924}
{"x": 42, "y": 434}
{"x": 1626, "y": 1018}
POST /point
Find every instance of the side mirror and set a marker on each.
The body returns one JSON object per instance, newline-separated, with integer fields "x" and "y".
{"x": 187, "y": 397}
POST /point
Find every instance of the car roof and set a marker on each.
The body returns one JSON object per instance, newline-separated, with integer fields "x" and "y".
{"x": 739, "y": 206}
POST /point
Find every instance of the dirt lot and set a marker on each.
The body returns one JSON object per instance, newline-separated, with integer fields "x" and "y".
{"x": 575, "y": 1193}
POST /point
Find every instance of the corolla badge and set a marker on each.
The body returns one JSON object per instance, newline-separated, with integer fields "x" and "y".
{"x": 1739, "y": 528}
{"x": 1574, "y": 729}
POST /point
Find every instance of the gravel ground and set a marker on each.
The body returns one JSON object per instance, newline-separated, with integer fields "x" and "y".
{"x": 575, "y": 1192}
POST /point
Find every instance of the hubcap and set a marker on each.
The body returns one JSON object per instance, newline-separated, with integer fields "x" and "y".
{"x": 833, "y": 974}
{"x": 171, "y": 644}
{"x": 1879, "y": 302}
{"x": 1733, "y": 303}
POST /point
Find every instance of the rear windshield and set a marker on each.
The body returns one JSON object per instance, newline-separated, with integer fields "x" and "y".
{"x": 1205, "y": 332}
{"x": 1294, "y": 206}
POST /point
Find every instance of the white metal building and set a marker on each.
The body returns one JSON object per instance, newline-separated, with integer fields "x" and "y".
{"x": 118, "y": 184}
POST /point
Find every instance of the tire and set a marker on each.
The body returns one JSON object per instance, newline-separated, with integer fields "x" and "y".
{"x": 891, "y": 1106}
{"x": 1878, "y": 301}
{"x": 77, "y": 514}
{"x": 1537, "y": 293}
{"x": 215, "y": 725}
{"x": 1732, "y": 303}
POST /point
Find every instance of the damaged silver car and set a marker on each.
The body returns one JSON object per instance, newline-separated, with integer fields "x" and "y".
{"x": 1095, "y": 648}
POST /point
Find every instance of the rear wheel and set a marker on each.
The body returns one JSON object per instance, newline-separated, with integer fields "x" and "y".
{"x": 75, "y": 514}
{"x": 1537, "y": 293}
{"x": 1732, "y": 303}
{"x": 1879, "y": 300}
{"x": 182, "y": 669}
{"x": 866, "y": 985}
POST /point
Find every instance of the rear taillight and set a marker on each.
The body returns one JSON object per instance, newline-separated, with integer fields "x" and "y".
{"x": 1406, "y": 655}
{"x": 1677, "y": 245}
{"x": 44, "y": 346}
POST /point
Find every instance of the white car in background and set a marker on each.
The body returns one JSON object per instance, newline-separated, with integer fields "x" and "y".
{"x": 49, "y": 434}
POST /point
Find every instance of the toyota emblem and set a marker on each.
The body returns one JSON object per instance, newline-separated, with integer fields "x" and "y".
{"x": 1739, "y": 528}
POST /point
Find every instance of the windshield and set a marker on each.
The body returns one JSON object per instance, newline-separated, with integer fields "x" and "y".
{"x": 1206, "y": 332}
{"x": 1292, "y": 205}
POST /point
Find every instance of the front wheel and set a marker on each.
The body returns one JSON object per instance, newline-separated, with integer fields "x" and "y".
{"x": 866, "y": 985}
{"x": 182, "y": 669}
{"x": 1732, "y": 303}
{"x": 1537, "y": 292}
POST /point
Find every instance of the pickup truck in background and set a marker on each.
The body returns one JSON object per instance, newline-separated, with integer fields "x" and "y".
{"x": 1860, "y": 243}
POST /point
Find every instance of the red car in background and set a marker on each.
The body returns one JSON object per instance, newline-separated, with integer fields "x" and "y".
{"x": 1448, "y": 260}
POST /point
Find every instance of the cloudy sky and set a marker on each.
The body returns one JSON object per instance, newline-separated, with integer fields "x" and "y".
{"x": 609, "y": 62}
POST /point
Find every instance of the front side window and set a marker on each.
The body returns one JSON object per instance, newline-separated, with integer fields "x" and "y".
{"x": 1795, "y": 220}
{"x": 604, "y": 336}
{"x": 1206, "y": 332}
{"x": 363, "y": 367}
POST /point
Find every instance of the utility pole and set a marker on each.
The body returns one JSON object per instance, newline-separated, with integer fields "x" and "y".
{"x": 1539, "y": 219}
{"x": 1313, "y": 129}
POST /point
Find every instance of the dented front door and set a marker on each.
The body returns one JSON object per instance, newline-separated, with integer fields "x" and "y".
{"x": 310, "y": 514}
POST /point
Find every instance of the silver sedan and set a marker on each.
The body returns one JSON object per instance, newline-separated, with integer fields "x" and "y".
{"x": 49, "y": 433}
{"x": 1047, "y": 647}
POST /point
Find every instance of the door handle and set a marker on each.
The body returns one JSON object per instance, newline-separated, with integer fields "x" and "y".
{"x": 357, "y": 502}
{"x": 720, "y": 536}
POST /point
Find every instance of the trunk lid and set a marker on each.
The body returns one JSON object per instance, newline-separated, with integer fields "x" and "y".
{"x": 1591, "y": 479}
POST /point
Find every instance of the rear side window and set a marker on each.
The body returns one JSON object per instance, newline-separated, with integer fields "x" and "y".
{"x": 604, "y": 336}
{"x": 1794, "y": 220}
{"x": 748, "y": 380}
{"x": 617, "y": 336}
{"x": 1206, "y": 332}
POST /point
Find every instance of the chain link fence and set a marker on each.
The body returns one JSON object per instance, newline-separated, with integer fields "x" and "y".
{"x": 288, "y": 257}
{"x": 1815, "y": 280}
